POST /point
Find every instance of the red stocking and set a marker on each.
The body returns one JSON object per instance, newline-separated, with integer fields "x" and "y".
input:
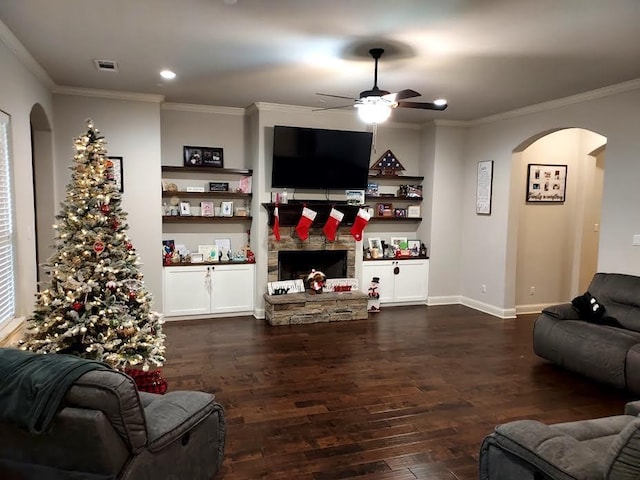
{"x": 362, "y": 218}
{"x": 333, "y": 222}
{"x": 276, "y": 224}
{"x": 307, "y": 218}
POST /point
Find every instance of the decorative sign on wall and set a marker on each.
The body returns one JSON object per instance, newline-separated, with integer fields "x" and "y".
{"x": 484, "y": 187}
{"x": 546, "y": 183}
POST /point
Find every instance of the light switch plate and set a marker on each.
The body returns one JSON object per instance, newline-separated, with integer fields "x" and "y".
{"x": 636, "y": 241}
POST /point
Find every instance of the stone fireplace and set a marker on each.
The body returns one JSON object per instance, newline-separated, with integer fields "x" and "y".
{"x": 292, "y": 258}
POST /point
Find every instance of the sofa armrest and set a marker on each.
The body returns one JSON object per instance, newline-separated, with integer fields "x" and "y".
{"x": 548, "y": 449}
{"x": 563, "y": 311}
{"x": 172, "y": 415}
{"x": 632, "y": 408}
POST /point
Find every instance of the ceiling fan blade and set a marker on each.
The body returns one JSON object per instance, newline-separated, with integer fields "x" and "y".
{"x": 332, "y": 108}
{"x": 401, "y": 95}
{"x": 335, "y": 96}
{"x": 422, "y": 105}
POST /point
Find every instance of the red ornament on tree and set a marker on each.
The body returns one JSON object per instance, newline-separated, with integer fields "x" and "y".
{"x": 105, "y": 208}
{"x": 132, "y": 295}
{"x": 98, "y": 247}
{"x": 77, "y": 306}
{"x": 129, "y": 246}
{"x": 115, "y": 223}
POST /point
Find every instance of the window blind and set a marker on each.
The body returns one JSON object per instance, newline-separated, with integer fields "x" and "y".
{"x": 7, "y": 273}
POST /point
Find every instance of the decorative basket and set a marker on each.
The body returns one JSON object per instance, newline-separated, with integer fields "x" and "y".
{"x": 151, "y": 381}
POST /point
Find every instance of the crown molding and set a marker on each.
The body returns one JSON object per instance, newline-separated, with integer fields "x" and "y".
{"x": 562, "y": 102}
{"x": 22, "y": 54}
{"x": 190, "y": 107}
{"x": 451, "y": 123}
{"x": 110, "y": 94}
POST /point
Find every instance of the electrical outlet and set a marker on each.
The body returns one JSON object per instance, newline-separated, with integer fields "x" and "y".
{"x": 532, "y": 290}
{"x": 484, "y": 288}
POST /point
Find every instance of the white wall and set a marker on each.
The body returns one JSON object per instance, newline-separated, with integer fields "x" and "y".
{"x": 20, "y": 90}
{"x": 132, "y": 131}
{"x": 490, "y": 256}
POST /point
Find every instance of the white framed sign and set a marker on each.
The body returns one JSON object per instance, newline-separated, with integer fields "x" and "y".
{"x": 484, "y": 187}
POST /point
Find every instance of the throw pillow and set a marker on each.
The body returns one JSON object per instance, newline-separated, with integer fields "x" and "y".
{"x": 589, "y": 307}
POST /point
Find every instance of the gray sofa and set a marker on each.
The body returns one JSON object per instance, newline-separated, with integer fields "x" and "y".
{"x": 603, "y": 448}
{"x": 108, "y": 430}
{"x": 605, "y": 349}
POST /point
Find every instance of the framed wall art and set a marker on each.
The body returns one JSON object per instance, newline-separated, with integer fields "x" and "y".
{"x": 546, "y": 183}
{"x": 118, "y": 176}
{"x": 203, "y": 157}
{"x": 484, "y": 187}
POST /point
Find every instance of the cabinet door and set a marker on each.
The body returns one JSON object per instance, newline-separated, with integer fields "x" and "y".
{"x": 232, "y": 288}
{"x": 384, "y": 271}
{"x": 411, "y": 283}
{"x": 186, "y": 291}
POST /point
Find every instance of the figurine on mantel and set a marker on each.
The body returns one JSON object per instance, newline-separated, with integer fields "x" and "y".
{"x": 315, "y": 281}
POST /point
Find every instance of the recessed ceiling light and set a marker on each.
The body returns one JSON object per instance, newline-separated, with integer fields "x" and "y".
{"x": 167, "y": 74}
{"x": 440, "y": 102}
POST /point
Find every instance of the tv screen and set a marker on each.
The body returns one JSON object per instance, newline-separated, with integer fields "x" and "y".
{"x": 319, "y": 159}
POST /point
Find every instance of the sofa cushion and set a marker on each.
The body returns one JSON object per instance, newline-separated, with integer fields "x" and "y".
{"x": 623, "y": 456}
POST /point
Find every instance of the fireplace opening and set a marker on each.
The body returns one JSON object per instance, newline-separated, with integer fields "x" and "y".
{"x": 299, "y": 263}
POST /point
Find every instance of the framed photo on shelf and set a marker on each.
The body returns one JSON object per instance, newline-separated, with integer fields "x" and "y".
{"x": 400, "y": 212}
{"x": 206, "y": 209}
{"x": 414, "y": 247}
{"x": 413, "y": 211}
{"x": 203, "y": 157}
{"x": 226, "y": 209}
{"x": 384, "y": 210}
{"x": 375, "y": 243}
{"x": 210, "y": 252}
{"x": 185, "y": 209}
{"x": 224, "y": 245}
{"x": 400, "y": 242}
{"x": 546, "y": 183}
{"x": 116, "y": 171}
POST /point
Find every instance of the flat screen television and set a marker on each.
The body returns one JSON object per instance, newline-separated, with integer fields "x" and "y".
{"x": 320, "y": 159}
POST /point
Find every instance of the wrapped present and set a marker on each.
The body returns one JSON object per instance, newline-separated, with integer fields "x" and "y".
{"x": 151, "y": 381}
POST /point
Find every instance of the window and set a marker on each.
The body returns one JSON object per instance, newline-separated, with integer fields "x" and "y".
{"x": 7, "y": 288}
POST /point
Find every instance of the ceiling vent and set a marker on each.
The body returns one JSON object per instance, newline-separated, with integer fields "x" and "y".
{"x": 106, "y": 65}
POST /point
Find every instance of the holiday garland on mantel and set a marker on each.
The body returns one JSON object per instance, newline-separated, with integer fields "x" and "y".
{"x": 96, "y": 305}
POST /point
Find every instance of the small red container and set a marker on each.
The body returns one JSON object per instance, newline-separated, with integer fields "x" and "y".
{"x": 151, "y": 381}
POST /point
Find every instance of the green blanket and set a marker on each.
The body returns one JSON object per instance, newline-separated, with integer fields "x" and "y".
{"x": 32, "y": 385}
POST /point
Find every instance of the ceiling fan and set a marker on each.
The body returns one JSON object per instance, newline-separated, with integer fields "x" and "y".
{"x": 374, "y": 106}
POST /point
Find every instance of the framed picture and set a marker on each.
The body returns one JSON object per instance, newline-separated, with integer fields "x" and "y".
{"x": 546, "y": 183}
{"x": 414, "y": 247}
{"x": 210, "y": 252}
{"x": 413, "y": 211}
{"x": 224, "y": 245}
{"x": 218, "y": 186}
{"x": 116, "y": 169}
{"x": 226, "y": 209}
{"x": 355, "y": 197}
{"x": 375, "y": 243}
{"x": 384, "y": 209}
{"x": 185, "y": 208}
{"x": 203, "y": 157}
{"x": 400, "y": 212}
{"x": 206, "y": 209}
{"x": 399, "y": 242}
{"x": 484, "y": 187}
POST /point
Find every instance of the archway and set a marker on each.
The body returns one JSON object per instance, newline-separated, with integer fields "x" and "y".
{"x": 555, "y": 244}
{"x": 43, "y": 185}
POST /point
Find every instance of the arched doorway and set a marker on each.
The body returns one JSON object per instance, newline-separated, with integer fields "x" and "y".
{"x": 43, "y": 186}
{"x": 556, "y": 245}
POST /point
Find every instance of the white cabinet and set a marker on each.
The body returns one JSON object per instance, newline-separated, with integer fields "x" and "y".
{"x": 209, "y": 289}
{"x": 402, "y": 282}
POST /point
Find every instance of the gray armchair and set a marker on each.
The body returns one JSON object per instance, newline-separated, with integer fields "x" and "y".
{"x": 108, "y": 430}
{"x": 603, "y": 448}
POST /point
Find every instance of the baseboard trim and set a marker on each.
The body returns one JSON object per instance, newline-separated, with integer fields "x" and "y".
{"x": 444, "y": 300}
{"x": 490, "y": 309}
{"x": 533, "y": 308}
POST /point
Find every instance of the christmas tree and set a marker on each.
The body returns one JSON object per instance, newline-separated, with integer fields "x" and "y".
{"x": 95, "y": 305}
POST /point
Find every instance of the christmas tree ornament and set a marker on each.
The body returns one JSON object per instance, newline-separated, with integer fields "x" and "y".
{"x": 361, "y": 220}
{"x": 98, "y": 247}
{"x": 77, "y": 306}
{"x": 105, "y": 208}
{"x": 333, "y": 222}
{"x": 304, "y": 224}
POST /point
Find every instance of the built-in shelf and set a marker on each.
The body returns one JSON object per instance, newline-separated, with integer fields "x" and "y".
{"x": 196, "y": 219}
{"x": 383, "y": 198}
{"x": 209, "y": 170}
{"x": 182, "y": 194}
{"x": 395, "y": 219}
{"x": 396, "y": 178}
{"x": 206, "y": 264}
{"x": 394, "y": 259}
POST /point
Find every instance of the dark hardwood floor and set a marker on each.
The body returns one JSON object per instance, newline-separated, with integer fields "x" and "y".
{"x": 408, "y": 394}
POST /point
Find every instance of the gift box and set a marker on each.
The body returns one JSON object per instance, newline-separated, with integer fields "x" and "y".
{"x": 150, "y": 381}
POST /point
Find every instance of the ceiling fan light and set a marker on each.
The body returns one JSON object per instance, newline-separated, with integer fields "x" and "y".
{"x": 440, "y": 102}
{"x": 373, "y": 112}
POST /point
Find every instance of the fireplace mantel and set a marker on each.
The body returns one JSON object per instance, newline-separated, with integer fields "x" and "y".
{"x": 290, "y": 213}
